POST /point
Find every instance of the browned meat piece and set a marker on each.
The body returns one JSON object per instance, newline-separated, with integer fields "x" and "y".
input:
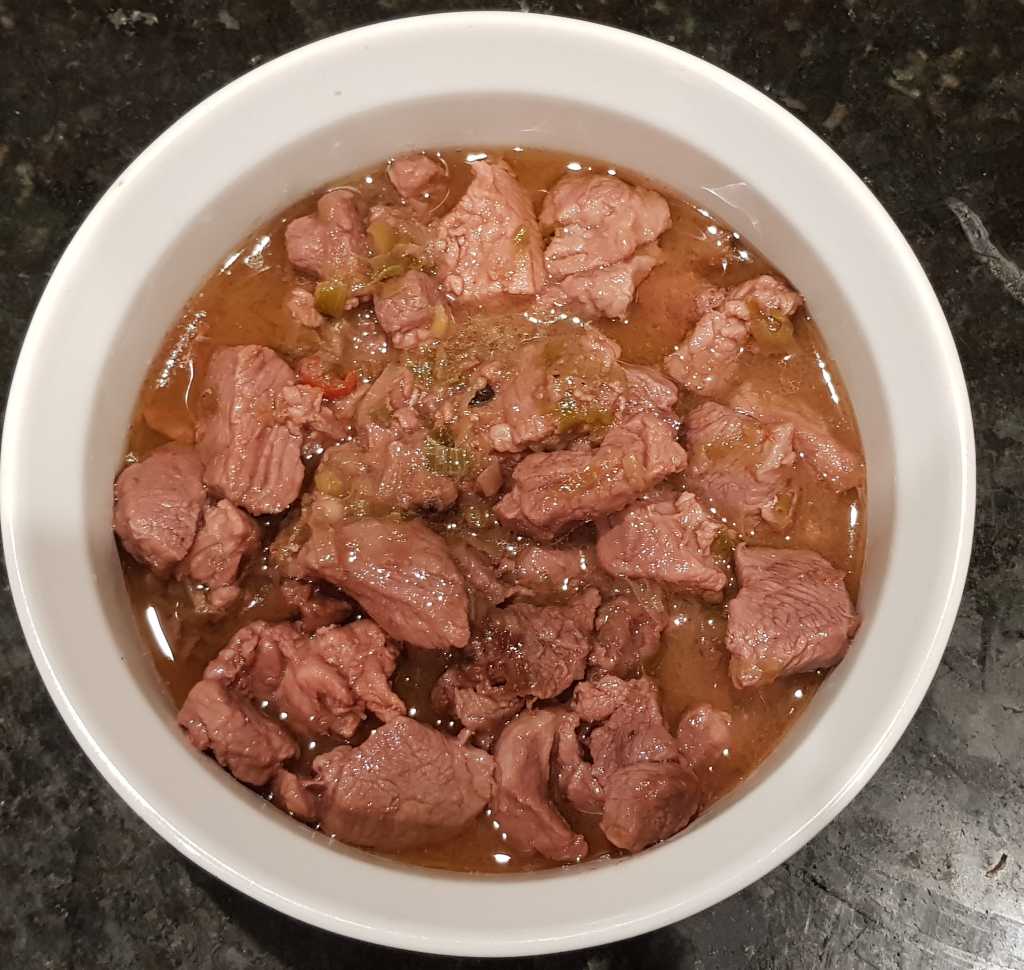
{"x": 566, "y": 382}
{"x": 489, "y": 244}
{"x": 669, "y": 542}
{"x": 834, "y": 462}
{"x": 401, "y": 574}
{"x": 157, "y": 505}
{"x": 646, "y": 803}
{"x": 300, "y": 305}
{"x": 227, "y": 536}
{"x": 254, "y": 660}
{"x": 481, "y": 579}
{"x": 522, "y": 803}
{"x": 367, "y": 659}
{"x": 542, "y": 570}
{"x": 332, "y": 243}
{"x": 647, "y": 389}
{"x": 574, "y": 776}
{"x": 554, "y": 491}
{"x": 707, "y": 361}
{"x": 538, "y": 651}
{"x": 704, "y": 735}
{"x": 408, "y": 308}
{"x": 249, "y": 745}
{"x": 464, "y": 694}
{"x": 738, "y": 467}
{"x": 322, "y": 686}
{"x": 393, "y": 473}
{"x": 628, "y": 634}
{"x": 315, "y": 607}
{"x": 252, "y": 459}
{"x": 648, "y": 794}
{"x": 288, "y": 793}
{"x": 407, "y": 785}
{"x": 604, "y": 292}
{"x": 598, "y": 220}
{"x": 525, "y": 651}
{"x": 421, "y": 181}
{"x": 792, "y": 613}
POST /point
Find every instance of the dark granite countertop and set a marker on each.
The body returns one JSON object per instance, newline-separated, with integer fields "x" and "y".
{"x": 925, "y": 99}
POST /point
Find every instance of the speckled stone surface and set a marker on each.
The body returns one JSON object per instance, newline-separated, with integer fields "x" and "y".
{"x": 925, "y": 99}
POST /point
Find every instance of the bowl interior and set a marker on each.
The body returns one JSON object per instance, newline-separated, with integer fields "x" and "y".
{"x": 213, "y": 178}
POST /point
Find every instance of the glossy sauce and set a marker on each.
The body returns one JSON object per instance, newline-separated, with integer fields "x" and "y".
{"x": 243, "y": 302}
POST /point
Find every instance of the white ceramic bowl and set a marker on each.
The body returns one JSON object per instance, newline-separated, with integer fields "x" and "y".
{"x": 479, "y": 79}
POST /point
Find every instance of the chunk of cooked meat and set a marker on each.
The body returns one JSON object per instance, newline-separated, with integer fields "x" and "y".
{"x": 525, "y": 651}
{"x": 604, "y": 292}
{"x": 544, "y": 571}
{"x": 331, "y": 243}
{"x": 646, "y": 791}
{"x": 406, "y": 785}
{"x": 322, "y": 686}
{"x": 647, "y": 389}
{"x": 522, "y": 803}
{"x": 704, "y": 735}
{"x": 157, "y": 505}
{"x": 252, "y": 457}
{"x": 249, "y": 745}
{"x": 315, "y": 607}
{"x": 646, "y": 803}
{"x": 421, "y": 180}
{"x": 740, "y": 468}
{"x": 813, "y": 441}
{"x": 301, "y": 306}
{"x": 409, "y": 308}
{"x": 226, "y": 537}
{"x": 707, "y": 362}
{"x": 627, "y": 634}
{"x": 400, "y": 573}
{"x": 489, "y": 243}
{"x": 669, "y": 542}
{"x": 598, "y": 220}
{"x": 793, "y": 613}
{"x": 554, "y": 491}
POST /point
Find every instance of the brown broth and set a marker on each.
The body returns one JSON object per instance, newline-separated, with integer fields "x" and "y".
{"x": 243, "y": 302}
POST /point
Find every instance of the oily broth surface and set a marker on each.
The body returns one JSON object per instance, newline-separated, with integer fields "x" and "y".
{"x": 243, "y": 302}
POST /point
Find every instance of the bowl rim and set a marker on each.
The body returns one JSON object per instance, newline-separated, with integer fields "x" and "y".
{"x": 858, "y": 774}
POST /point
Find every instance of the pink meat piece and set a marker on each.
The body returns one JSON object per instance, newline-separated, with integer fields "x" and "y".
{"x": 669, "y": 542}
{"x": 566, "y": 382}
{"x": 604, "y": 292}
{"x": 740, "y": 468}
{"x": 157, "y": 505}
{"x": 301, "y": 306}
{"x": 525, "y": 651}
{"x": 482, "y": 582}
{"x": 793, "y": 613}
{"x": 407, "y": 785}
{"x": 315, "y": 607}
{"x": 522, "y": 804}
{"x": 627, "y": 635}
{"x": 489, "y": 244}
{"x": 539, "y": 569}
{"x": 704, "y": 735}
{"x": 322, "y": 686}
{"x": 647, "y": 389}
{"x": 421, "y": 180}
{"x": 707, "y": 362}
{"x": 227, "y": 536}
{"x": 406, "y": 308}
{"x": 554, "y": 491}
{"x": 648, "y": 794}
{"x": 836, "y": 464}
{"x": 252, "y": 457}
{"x": 252, "y": 747}
{"x": 387, "y": 403}
{"x": 330, "y": 244}
{"x": 400, "y": 573}
{"x": 598, "y": 220}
